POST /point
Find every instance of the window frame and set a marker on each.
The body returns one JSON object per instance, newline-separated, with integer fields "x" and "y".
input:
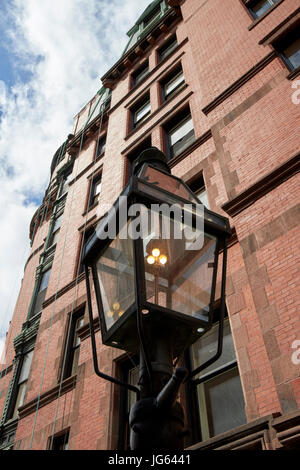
{"x": 65, "y": 177}
{"x": 194, "y": 411}
{"x": 36, "y": 300}
{"x": 252, "y": 3}
{"x": 166, "y": 49}
{"x": 283, "y": 43}
{"x": 204, "y": 409}
{"x": 171, "y": 77}
{"x": 138, "y": 107}
{"x": 85, "y": 236}
{"x": 172, "y": 126}
{"x": 133, "y": 154}
{"x": 100, "y": 146}
{"x": 139, "y": 74}
{"x": 57, "y": 437}
{"x": 197, "y": 185}
{"x": 55, "y": 230}
{"x": 152, "y": 16}
{"x": 13, "y": 410}
{"x": 93, "y": 196}
{"x": 70, "y": 350}
{"x": 125, "y": 366}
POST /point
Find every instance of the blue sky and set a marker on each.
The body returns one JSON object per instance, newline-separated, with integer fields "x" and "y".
{"x": 52, "y": 55}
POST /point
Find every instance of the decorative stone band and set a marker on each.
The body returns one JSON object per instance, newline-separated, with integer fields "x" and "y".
{"x": 240, "y": 82}
{"x": 264, "y": 185}
{"x": 47, "y": 397}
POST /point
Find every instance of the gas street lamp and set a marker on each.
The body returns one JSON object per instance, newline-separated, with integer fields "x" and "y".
{"x": 154, "y": 264}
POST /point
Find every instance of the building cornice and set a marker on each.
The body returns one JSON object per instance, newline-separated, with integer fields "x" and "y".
{"x": 111, "y": 77}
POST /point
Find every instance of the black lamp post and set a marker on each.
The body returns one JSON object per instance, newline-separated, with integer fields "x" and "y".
{"x": 155, "y": 290}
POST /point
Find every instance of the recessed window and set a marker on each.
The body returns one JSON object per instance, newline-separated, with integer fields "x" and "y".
{"x": 258, "y": 8}
{"x": 95, "y": 190}
{"x": 167, "y": 48}
{"x": 219, "y": 393}
{"x": 140, "y": 73}
{"x": 152, "y": 16}
{"x": 19, "y": 394}
{"x": 134, "y": 154}
{"x": 73, "y": 345}
{"x": 60, "y": 441}
{"x": 179, "y": 134}
{"x": 65, "y": 182}
{"x": 85, "y": 237}
{"x": 289, "y": 49}
{"x": 41, "y": 293}
{"x": 55, "y": 230}
{"x": 101, "y": 146}
{"x": 129, "y": 371}
{"x": 172, "y": 84}
{"x": 140, "y": 111}
{"x": 198, "y": 188}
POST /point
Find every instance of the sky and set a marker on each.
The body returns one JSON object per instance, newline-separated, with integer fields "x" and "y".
{"x": 52, "y": 55}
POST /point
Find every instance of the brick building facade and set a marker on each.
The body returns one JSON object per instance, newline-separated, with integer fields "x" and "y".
{"x": 212, "y": 84}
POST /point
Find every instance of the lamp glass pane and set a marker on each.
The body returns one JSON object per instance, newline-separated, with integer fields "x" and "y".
{"x": 116, "y": 279}
{"x": 183, "y": 283}
{"x": 167, "y": 182}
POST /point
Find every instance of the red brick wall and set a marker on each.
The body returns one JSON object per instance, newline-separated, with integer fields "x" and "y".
{"x": 253, "y": 131}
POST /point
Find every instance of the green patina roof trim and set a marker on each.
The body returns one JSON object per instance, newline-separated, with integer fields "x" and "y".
{"x": 137, "y": 27}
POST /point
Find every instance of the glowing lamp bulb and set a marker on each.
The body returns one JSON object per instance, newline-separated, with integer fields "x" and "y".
{"x": 110, "y": 314}
{"x": 163, "y": 259}
{"x": 155, "y": 252}
{"x": 150, "y": 259}
{"x": 116, "y": 306}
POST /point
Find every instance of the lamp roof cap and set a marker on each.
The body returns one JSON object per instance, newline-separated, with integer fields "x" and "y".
{"x": 153, "y": 156}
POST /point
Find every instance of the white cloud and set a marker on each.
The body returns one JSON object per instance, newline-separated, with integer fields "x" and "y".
{"x": 65, "y": 46}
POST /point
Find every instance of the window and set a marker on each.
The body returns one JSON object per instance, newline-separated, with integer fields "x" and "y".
{"x": 95, "y": 190}
{"x": 65, "y": 182}
{"x": 179, "y": 134}
{"x": 140, "y": 73}
{"x": 55, "y": 230}
{"x": 73, "y": 345}
{"x": 289, "y": 49}
{"x": 60, "y": 441}
{"x": 129, "y": 374}
{"x": 140, "y": 111}
{"x": 173, "y": 83}
{"x": 198, "y": 187}
{"x": 101, "y": 146}
{"x": 137, "y": 151}
{"x": 258, "y": 7}
{"x": 85, "y": 237}
{"x": 152, "y": 16}
{"x": 19, "y": 394}
{"x": 41, "y": 293}
{"x": 219, "y": 393}
{"x": 167, "y": 48}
